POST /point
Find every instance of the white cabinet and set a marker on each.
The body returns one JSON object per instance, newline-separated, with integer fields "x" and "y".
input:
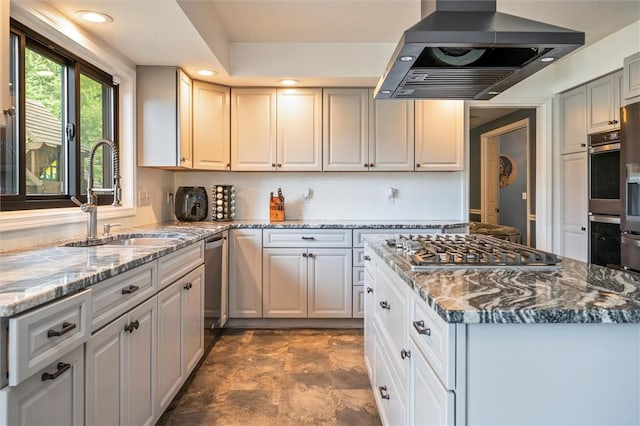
{"x": 573, "y": 119}
{"x": 164, "y": 119}
{"x": 391, "y": 135}
{"x": 276, "y": 129}
{"x": 211, "y": 127}
{"x": 299, "y": 130}
{"x": 358, "y": 301}
{"x": 439, "y": 135}
{"x": 307, "y": 282}
{"x": 369, "y": 312}
{"x": 345, "y": 136}
{"x": 52, "y": 396}
{"x": 631, "y": 79}
{"x": 121, "y": 369}
{"x": 180, "y": 319}
{"x": 574, "y": 207}
{"x": 603, "y": 103}
{"x": 245, "y": 273}
{"x": 224, "y": 278}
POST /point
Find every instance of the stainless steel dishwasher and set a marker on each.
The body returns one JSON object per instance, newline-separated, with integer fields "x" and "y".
{"x": 215, "y": 273}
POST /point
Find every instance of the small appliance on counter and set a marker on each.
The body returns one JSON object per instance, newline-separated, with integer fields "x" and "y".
{"x": 276, "y": 207}
{"x": 191, "y": 203}
{"x": 223, "y": 203}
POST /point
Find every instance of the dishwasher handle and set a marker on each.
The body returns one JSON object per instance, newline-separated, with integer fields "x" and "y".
{"x": 213, "y": 242}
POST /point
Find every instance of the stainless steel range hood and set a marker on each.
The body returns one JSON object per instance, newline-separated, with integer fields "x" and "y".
{"x": 467, "y": 50}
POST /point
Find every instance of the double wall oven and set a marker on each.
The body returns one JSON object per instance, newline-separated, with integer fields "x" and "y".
{"x": 604, "y": 198}
{"x": 630, "y": 184}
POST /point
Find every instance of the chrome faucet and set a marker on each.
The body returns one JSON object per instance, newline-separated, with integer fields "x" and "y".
{"x": 91, "y": 206}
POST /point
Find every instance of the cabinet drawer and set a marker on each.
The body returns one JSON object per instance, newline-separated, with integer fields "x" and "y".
{"x": 115, "y": 296}
{"x": 39, "y": 337}
{"x": 388, "y": 393}
{"x": 179, "y": 263}
{"x": 358, "y": 234}
{"x": 306, "y": 238}
{"x": 358, "y": 256}
{"x": 436, "y": 340}
{"x": 358, "y": 301}
{"x": 358, "y": 276}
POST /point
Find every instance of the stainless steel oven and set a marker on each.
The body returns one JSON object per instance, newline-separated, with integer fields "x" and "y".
{"x": 630, "y": 182}
{"x": 604, "y": 240}
{"x": 604, "y": 173}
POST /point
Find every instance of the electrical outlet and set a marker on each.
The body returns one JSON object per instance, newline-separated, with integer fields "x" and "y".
{"x": 144, "y": 199}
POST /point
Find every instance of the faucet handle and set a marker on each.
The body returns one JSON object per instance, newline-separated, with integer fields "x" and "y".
{"x": 76, "y": 201}
{"x": 107, "y": 227}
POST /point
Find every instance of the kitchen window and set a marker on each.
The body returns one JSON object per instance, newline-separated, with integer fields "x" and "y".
{"x": 62, "y": 106}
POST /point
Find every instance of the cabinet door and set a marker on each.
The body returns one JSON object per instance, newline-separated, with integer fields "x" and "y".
{"x": 253, "y": 129}
{"x": 345, "y": 136}
{"x": 245, "y": 273}
{"x": 299, "y": 136}
{"x": 329, "y": 283}
{"x": 439, "y": 135}
{"x": 618, "y": 80}
{"x": 574, "y": 206}
{"x": 141, "y": 364}
{"x": 211, "y": 127}
{"x": 284, "y": 283}
{"x": 391, "y": 135}
{"x": 429, "y": 402}
{"x": 185, "y": 139}
{"x": 192, "y": 319}
{"x": 169, "y": 333}
{"x": 369, "y": 312}
{"x": 631, "y": 78}
{"x": 106, "y": 375}
{"x": 573, "y": 119}
{"x": 54, "y": 401}
{"x": 224, "y": 278}
{"x": 357, "y": 300}
{"x": 600, "y": 104}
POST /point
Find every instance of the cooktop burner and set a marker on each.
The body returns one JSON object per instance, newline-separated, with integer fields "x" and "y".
{"x": 470, "y": 251}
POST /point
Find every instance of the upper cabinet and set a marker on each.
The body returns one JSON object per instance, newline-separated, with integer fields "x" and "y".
{"x": 631, "y": 79}
{"x": 439, "y": 133}
{"x": 391, "y": 134}
{"x": 573, "y": 116}
{"x": 211, "y": 126}
{"x": 345, "y": 136}
{"x": 164, "y": 117}
{"x": 603, "y": 103}
{"x": 276, "y": 129}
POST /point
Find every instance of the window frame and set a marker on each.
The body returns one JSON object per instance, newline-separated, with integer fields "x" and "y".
{"x": 75, "y": 67}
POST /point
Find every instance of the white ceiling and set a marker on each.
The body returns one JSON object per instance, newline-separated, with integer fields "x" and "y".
{"x": 319, "y": 42}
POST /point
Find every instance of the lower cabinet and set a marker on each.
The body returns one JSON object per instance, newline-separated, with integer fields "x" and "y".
{"x": 388, "y": 390}
{"x": 369, "y": 308}
{"x": 245, "y": 273}
{"x": 306, "y": 282}
{"x": 358, "y": 301}
{"x": 121, "y": 369}
{"x": 53, "y": 396}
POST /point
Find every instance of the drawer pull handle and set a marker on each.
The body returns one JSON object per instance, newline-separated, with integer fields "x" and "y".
{"x": 420, "y": 328}
{"x": 308, "y": 238}
{"x": 310, "y": 254}
{"x": 188, "y": 286}
{"x": 383, "y": 392}
{"x": 366, "y": 257}
{"x": 62, "y": 367}
{"x": 385, "y": 305}
{"x": 369, "y": 290}
{"x": 133, "y": 325}
{"x": 66, "y": 327}
{"x": 130, "y": 289}
{"x": 405, "y": 354}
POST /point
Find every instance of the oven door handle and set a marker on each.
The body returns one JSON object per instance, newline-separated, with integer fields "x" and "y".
{"x": 604, "y": 219}
{"x": 630, "y": 241}
{"x": 604, "y": 148}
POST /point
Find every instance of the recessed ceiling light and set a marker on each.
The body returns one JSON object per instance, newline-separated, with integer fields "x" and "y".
{"x": 407, "y": 58}
{"x": 548, "y": 59}
{"x": 289, "y": 82}
{"x": 93, "y": 16}
{"x": 385, "y": 92}
{"x": 44, "y": 73}
{"x": 206, "y": 73}
{"x": 492, "y": 93}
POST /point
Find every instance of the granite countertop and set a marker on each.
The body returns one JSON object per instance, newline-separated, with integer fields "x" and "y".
{"x": 575, "y": 293}
{"x": 33, "y": 277}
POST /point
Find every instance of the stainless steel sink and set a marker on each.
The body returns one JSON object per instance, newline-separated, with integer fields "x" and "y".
{"x": 137, "y": 239}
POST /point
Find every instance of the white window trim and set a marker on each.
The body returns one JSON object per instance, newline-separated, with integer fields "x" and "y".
{"x": 50, "y": 23}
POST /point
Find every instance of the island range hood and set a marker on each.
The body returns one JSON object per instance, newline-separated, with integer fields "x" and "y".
{"x": 468, "y": 50}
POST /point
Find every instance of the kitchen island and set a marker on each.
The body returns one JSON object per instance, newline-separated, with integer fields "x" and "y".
{"x": 501, "y": 346}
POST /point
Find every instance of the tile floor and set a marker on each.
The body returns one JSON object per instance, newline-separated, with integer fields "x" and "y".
{"x": 277, "y": 377}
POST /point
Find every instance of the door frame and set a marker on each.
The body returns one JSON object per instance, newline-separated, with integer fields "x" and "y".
{"x": 545, "y": 166}
{"x": 484, "y": 182}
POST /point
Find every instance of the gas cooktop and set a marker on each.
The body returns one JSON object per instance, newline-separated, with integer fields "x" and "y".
{"x": 426, "y": 252}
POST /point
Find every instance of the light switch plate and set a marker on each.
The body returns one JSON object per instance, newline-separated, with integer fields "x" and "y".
{"x": 144, "y": 199}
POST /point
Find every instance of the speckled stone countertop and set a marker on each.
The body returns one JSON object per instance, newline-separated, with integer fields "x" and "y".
{"x": 33, "y": 277}
{"x": 576, "y": 293}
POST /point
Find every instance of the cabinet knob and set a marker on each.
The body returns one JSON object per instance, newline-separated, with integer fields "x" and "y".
{"x": 583, "y": 145}
{"x": 405, "y": 354}
{"x": 279, "y": 165}
{"x": 183, "y": 159}
{"x": 369, "y": 290}
{"x": 366, "y": 165}
{"x": 366, "y": 258}
{"x": 304, "y": 254}
{"x": 385, "y": 305}
{"x": 383, "y": 392}
{"x": 228, "y": 166}
{"x": 188, "y": 286}
{"x": 418, "y": 165}
{"x": 273, "y": 164}
{"x": 614, "y": 121}
{"x": 310, "y": 254}
{"x": 371, "y": 165}
{"x": 582, "y": 228}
